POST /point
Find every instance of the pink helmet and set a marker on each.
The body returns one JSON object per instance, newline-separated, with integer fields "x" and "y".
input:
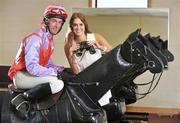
{"x": 55, "y": 11}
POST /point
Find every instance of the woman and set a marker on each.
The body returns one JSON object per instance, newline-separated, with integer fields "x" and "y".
{"x": 81, "y": 56}
{"x": 80, "y": 33}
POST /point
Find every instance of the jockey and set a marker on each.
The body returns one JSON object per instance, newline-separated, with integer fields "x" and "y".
{"x": 33, "y": 68}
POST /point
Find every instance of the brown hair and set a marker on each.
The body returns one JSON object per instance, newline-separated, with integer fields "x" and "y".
{"x": 82, "y": 18}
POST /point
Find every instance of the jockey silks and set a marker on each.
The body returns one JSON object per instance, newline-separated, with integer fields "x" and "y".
{"x": 44, "y": 53}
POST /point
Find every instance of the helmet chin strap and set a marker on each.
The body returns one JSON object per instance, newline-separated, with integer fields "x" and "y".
{"x": 47, "y": 29}
{"x": 46, "y": 22}
{"x": 60, "y": 28}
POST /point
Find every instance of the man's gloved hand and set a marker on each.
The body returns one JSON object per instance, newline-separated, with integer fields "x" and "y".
{"x": 66, "y": 75}
{"x": 59, "y": 76}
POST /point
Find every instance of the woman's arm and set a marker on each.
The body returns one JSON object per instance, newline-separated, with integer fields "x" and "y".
{"x": 102, "y": 42}
{"x": 70, "y": 56}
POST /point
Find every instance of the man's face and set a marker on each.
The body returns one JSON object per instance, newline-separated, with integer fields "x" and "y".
{"x": 54, "y": 25}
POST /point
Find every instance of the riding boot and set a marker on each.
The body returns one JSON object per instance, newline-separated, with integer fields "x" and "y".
{"x": 37, "y": 92}
{"x": 22, "y": 101}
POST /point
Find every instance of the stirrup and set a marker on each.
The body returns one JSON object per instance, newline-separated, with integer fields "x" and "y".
{"x": 27, "y": 107}
{"x": 19, "y": 101}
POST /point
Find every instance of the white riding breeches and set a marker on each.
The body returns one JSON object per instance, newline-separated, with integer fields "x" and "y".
{"x": 24, "y": 80}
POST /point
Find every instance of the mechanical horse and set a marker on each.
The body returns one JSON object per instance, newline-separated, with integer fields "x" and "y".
{"x": 115, "y": 71}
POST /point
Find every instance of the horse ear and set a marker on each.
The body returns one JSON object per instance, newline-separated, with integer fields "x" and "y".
{"x": 138, "y": 31}
{"x": 157, "y": 38}
{"x": 148, "y": 35}
{"x": 156, "y": 42}
{"x": 132, "y": 37}
{"x": 165, "y": 44}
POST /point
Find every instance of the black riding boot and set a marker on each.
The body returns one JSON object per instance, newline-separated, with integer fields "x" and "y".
{"x": 37, "y": 92}
{"x": 22, "y": 101}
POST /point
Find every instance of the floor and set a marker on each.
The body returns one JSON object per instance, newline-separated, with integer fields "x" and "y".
{"x": 154, "y": 118}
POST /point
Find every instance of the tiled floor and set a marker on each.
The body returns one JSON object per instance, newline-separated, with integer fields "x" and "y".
{"x": 154, "y": 118}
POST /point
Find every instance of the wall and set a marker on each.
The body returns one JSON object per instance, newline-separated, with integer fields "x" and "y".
{"x": 116, "y": 28}
{"x": 167, "y": 93}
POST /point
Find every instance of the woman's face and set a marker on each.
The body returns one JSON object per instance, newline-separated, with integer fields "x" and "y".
{"x": 78, "y": 27}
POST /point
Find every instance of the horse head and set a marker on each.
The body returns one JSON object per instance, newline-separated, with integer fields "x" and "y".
{"x": 146, "y": 53}
{"x": 137, "y": 49}
{"x": 161, "y": 46}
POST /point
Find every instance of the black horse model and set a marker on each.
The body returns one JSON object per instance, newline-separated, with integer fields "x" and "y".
{"x": 116, "y": 70}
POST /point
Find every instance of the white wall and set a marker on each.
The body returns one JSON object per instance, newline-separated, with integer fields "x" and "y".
{"x": 167, "y": 93}
{"x": 116, "y": 28}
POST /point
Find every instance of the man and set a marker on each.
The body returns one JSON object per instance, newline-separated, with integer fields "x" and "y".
{"x": 33, "y": 68}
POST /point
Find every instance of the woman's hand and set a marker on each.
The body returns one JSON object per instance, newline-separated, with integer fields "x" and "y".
{"x": 93, "y": 43}
{"x": 73, "y": 48}
{"x": 97, "y": 45}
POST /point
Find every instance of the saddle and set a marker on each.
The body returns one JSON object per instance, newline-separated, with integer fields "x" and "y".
{"x": 42, "y": 104}
{"x": 83, "y": 108}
